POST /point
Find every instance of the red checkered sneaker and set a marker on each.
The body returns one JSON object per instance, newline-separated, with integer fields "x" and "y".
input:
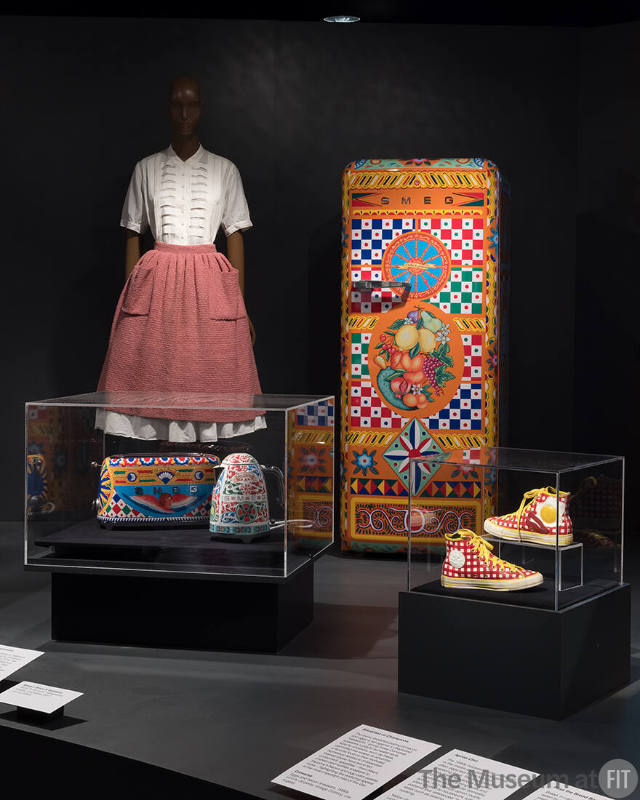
{"x": 543, "y": 518}
{"x": 470, "y": 564}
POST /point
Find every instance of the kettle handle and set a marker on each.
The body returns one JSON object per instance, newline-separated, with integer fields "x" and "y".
{"x": 279, "y": 475}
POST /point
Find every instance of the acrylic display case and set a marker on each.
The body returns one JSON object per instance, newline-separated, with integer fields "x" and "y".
{"x": 531, "y": 594}
{"x": 145, "y": 510}
{"x": 573, "y": 537}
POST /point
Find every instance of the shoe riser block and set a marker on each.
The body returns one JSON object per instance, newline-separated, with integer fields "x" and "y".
{"x": 234, "y": 613}
{"x": 514, "y": 658}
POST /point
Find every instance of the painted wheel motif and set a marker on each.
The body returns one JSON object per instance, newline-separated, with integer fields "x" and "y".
{"x": 419, "y": 259}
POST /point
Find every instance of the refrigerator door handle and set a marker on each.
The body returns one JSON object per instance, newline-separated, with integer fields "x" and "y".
{"x": 359, "y": 286}
{"x": 364, "y": 286}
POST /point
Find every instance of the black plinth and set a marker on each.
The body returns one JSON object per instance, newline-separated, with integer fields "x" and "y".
{"x": 29, "y": 715}
{"x": 242, "y": 614}
{"x": 511, "y": 657}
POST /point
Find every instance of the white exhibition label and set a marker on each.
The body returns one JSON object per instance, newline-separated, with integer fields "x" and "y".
{"x": 554, "y": 792}
{"x": 356, "y": 764}
{"x": 38, "y": 697}
{"x": 461, "y": 776}
{"x": 12, "y": 658}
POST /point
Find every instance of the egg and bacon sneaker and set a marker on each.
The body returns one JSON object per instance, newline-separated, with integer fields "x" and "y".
{"x": 470, "y": 564}
{"x": 535, "y": 520}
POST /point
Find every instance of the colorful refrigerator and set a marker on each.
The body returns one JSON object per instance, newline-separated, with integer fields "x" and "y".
{"x": 422, "y": 339}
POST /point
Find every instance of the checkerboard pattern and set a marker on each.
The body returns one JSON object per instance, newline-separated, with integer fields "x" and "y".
{"x": 462, "y": 236}
{"x": 371, "y": 301}
{"x": 464, "y": 412}
{"x": 317, "y": 414}
{"x": 472, "y": 344}
{"x": 462, "y": 293}
{"x": 370, "y": 237}
{"x": 368, "y": 410}
{"x": 473, "y": 456}
{"x": 465, "y": 559}
{"x": 117, "y": 507}
{"x": 532, "y": 520}
{"x": 360, "y": 354}
{"x": 118, "y": 510}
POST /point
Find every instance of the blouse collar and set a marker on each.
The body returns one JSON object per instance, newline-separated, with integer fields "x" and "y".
{"x": 195, "y": 157}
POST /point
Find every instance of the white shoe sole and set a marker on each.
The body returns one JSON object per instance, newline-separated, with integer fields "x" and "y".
{"x": 548, "y": 539}
{"x": 505, "y": 585}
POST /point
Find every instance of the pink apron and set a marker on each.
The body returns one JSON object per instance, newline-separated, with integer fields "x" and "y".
{"x": 181, "y": 326}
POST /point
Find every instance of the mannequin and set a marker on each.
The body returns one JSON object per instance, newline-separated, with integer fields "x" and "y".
{"x": 185, "y": 105}
{"x": 181, "y": 324}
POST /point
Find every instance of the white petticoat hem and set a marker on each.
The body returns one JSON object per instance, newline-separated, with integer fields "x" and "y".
{"x": 150, "y": 428}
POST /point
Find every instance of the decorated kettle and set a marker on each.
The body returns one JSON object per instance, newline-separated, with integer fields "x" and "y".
{"x": 239, "y": 503}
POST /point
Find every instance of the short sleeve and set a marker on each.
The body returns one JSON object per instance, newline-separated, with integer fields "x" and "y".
{"x": 235, "y": 215}
{"x": 134, "y": 211}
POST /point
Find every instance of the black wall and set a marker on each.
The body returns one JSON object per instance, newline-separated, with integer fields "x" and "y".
{"x": 290, "y": 104}
{"x": 607, "y": 343}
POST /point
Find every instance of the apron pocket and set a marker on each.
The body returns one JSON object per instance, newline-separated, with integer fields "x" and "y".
{"x": 137, "y": 299}
{"x": 224, "y": 295}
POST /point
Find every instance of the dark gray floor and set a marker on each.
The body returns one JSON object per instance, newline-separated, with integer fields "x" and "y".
{"x": 238, "y": 720}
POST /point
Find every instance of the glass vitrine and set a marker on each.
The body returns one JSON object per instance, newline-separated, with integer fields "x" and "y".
{"x": 252, "y": 495}
{"x": 544, "y": 530}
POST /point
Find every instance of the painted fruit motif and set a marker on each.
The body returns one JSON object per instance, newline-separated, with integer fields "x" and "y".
{"x": 406, "y": 337}
{"x": 428, "y": 341}
{"x": 416, "y": 360}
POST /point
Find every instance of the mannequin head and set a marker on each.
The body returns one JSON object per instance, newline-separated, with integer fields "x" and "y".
{"x": 184, "y": 108}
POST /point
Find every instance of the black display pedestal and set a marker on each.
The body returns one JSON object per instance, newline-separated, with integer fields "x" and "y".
{"x": 29, "y": 715}
{"x": 212, "y": 613}
{"x": 511, "y": 657}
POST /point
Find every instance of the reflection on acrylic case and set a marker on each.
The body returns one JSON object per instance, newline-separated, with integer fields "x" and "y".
{"x": 37, "y": 484}
{"x": 310, "y": 480}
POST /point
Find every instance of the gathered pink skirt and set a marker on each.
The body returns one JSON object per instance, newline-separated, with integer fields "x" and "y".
{"x": 181, "y": 326}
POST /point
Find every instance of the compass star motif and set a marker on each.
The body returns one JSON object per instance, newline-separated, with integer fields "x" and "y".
{"x": 412, "y": 442}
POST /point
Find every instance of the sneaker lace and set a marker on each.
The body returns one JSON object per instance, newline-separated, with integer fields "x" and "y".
{"x": 483, "y": 548}
{"x": 527, "y": 499}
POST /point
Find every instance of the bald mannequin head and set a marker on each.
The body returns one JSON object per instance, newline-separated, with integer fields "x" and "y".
{"x": 182, "y": 83}
{"x": 184, "y": 107}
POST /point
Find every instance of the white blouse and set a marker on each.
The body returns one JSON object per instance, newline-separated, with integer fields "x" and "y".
{"x": 185, "y": 202}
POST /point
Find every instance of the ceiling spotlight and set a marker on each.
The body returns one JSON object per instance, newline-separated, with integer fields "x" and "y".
{"x": 342, "y": 18}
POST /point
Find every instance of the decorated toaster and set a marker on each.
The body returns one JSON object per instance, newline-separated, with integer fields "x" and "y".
{"x": 144, "y": 489}
{"x": 239, "y": 504}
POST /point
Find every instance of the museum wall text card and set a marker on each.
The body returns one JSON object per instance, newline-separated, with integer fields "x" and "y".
{"x": 356, "y": 764}
{"x": 461, "y": 776}
{"x": 13, "y": 658}
{"x": 552, "y": 791}
{"x": 38, "y": 697}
